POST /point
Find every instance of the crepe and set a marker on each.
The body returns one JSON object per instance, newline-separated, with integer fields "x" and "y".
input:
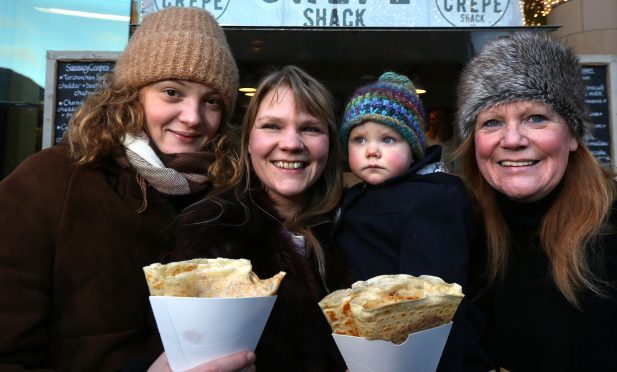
{"x": 390, "y": 307}
{"x": 337, "y": 309}
{"x": 204, "y": 277}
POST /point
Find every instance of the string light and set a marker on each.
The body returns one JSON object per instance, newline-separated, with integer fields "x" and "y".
{"x": 535, "y": 11}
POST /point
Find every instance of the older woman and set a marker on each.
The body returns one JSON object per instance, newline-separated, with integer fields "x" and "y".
{"x": 277, "y": 211}
{"x": 547, "y": 205}
{"x": 79, "y": 220}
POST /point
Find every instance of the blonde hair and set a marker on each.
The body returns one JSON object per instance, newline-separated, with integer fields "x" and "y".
{"x": 235, "y": 170}
{"x": 566, "y": 237}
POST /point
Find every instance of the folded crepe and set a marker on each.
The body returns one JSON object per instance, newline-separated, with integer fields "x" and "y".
{"x": 337, "y": 310}
{"x": 205, "y": 277}
{"x": 390, "y": 307}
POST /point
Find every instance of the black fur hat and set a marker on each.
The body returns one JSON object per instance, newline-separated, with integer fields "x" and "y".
{"x": 525, "y": 66}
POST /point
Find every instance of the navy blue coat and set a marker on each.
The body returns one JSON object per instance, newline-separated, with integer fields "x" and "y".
{"x": 417, "y": 224}
{"x": 412, "y": 224}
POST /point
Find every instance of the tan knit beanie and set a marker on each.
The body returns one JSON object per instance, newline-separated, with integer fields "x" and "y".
{"x": 180, "y": 43}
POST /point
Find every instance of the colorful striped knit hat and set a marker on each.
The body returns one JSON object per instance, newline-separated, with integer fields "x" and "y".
{"x": 391, "y": 101}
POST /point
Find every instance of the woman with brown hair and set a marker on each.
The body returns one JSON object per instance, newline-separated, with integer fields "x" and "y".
{"x": 548, "y": 283}
{"x": 79, "y": 220}
{"x": 277, "y": 210}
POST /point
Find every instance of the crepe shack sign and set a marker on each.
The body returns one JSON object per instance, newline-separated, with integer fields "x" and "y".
{"x": 354, "y": 13}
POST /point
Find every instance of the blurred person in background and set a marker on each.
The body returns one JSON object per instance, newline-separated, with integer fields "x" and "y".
{"x": 439, "y": 131}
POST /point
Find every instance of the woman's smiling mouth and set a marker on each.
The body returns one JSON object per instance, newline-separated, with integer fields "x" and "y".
{"x": 289, "y": 164}
{"x": 185, "y": 135}
{"x": 509, "y": 163}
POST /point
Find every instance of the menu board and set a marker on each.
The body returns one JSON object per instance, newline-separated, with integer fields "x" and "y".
{"x": 71, "y": 77}
{"x": 75, "y": 80}
{"x": 596, "y": 97}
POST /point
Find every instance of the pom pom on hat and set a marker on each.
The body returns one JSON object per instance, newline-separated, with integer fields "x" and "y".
{"x": 184, "y": 44}
{"x": 392, "y": 101}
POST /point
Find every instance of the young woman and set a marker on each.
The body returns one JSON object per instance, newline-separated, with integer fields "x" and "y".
{"x": 277, "y": 211}
{"x": 79, "y": 221}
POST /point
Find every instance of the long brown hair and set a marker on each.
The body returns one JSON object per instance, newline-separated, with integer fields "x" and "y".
{"x": 98, "y": 126}
{"x": 566, "y": 237}
{"x": 234, "y": 170}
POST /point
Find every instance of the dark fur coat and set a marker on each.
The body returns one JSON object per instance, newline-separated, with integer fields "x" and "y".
{"x": 297, "y": 336}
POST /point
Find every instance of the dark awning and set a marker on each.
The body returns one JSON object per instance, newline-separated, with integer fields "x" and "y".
{"x": 347, "y": 57}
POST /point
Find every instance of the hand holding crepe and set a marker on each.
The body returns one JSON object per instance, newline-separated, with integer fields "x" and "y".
{"x": 390, "y": 307}
{"x": 204, "y": 277}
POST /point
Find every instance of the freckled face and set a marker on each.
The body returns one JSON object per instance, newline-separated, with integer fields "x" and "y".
{"x": 522, "y": 149}
{"x": 378, "y": 152}
{"x": 289, "y": 148}
{"x": 181, "y": 116}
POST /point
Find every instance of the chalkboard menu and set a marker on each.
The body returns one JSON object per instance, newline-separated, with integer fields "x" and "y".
{"x": 596, "y": 97}
{"x": 71, "y": 77}
{"x": 75, "y": 80}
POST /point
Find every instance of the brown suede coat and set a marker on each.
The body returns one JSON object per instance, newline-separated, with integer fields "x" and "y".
{"x": 72, "y": 247}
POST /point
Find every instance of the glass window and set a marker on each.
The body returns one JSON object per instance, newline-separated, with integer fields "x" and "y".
{"x": 28, "y": 30}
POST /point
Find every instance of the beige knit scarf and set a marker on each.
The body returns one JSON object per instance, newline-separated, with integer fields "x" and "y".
{"x": 175, "y": 174}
